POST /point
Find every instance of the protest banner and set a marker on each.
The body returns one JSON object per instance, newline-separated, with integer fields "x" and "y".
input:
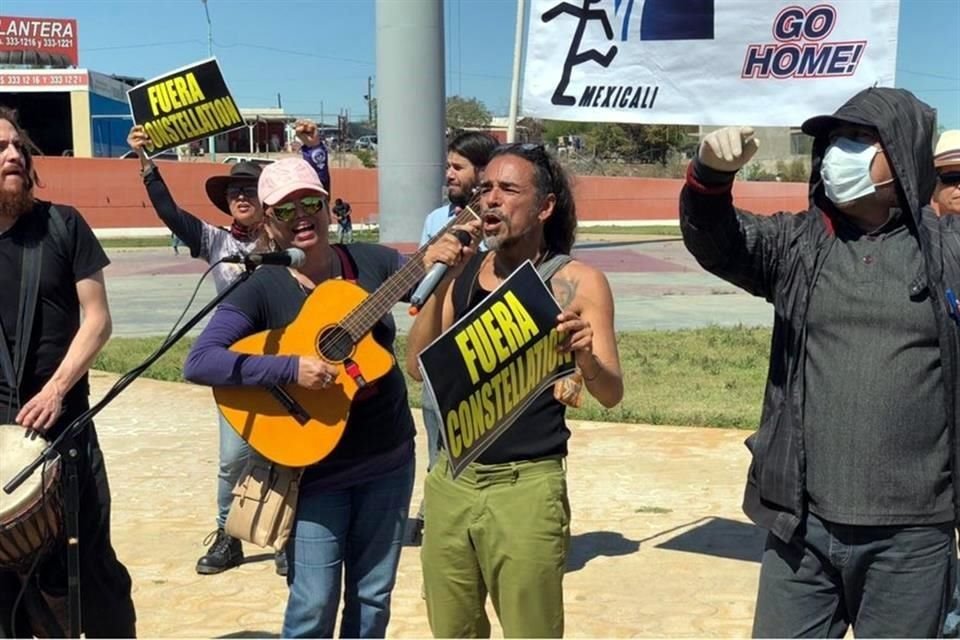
{"x": 191, "y": 103}
{"x": 487, "y": 368}
{"x": 705, "y": 62}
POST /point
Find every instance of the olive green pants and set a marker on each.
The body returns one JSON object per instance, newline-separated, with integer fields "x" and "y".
{"x": 502, "y": 530}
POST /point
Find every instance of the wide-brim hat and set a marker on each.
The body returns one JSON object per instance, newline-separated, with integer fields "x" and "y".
{"x": 245, "y": 173}
{"x": 947, "y": 152}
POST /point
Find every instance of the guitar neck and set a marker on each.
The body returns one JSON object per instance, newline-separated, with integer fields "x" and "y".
{"x": 362, "y": 319}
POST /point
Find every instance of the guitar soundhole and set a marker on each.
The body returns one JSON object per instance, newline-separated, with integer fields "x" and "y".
{"x": 335, "y": 344}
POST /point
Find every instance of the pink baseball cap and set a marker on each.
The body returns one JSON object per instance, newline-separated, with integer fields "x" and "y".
{"x": 281, "y": 178}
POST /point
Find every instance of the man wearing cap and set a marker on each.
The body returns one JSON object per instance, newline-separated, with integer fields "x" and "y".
{"x": 236, "y": 196}
{"x": 946, "y": 159}
{"x": 853, "y": 470}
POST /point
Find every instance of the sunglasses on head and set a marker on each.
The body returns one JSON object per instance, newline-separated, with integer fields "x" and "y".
{"x": 249, "y": 192}
{"x": 288, "y": 211}
{"x": 534, "y": 153}
{"x": 951, "y": 178}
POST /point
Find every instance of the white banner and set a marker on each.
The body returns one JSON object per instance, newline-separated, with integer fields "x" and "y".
{"x": 710, "y": 62}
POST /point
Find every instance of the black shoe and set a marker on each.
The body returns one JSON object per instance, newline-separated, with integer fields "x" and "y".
{"x": 225, "y": 553}
{"x": 281, "y": 561}
{"x": 415, "y": 531}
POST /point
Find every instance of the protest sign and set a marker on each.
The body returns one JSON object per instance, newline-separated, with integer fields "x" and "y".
{"x": 487, "y": 368}
{"x": 707, "y": 62}
{"x": 191, "y": 103}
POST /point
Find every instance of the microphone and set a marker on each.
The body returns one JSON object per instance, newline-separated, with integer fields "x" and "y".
{"x": 433, "y": 277}
{"x": 292, "y": 257}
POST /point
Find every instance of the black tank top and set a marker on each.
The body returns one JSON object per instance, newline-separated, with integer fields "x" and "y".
{"x": 541, "y": 430}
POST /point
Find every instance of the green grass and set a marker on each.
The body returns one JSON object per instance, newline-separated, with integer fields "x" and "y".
{"x": 127, "y": 243}
{"x": 365, "y": 235}
{"x": 655, "y": 230}
{"x": 701, "y": 377}
{"x": 373, "y": 235}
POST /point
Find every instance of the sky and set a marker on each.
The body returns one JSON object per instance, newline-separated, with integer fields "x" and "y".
{"x": 319, "y": 54}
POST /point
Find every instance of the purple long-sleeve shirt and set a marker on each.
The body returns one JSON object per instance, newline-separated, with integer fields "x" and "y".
{"x": 211, "y": 362}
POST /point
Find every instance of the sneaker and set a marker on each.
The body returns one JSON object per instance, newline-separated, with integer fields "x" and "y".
{"x": 224, "y": 553}
{"x": 280, "y": 560}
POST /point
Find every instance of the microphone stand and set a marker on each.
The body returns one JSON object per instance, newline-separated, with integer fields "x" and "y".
{"x": 72, "y": 485}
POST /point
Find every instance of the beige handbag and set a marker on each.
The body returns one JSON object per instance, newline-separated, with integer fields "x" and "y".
{"x": 264, "y": 503}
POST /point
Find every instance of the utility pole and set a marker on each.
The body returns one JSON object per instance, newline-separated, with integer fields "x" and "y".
{"x": 515, "y": 81}
{"x": 369, "y": 99}
{"x": 212, "y": 141}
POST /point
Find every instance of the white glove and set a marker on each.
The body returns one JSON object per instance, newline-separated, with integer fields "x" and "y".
{"x": 728, "y": 149}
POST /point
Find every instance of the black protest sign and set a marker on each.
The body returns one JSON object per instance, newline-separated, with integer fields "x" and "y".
{"x": 191, "y": 103}
{"x": 487, "y": 368}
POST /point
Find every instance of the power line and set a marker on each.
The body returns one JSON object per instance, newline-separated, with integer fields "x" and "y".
{"x": 292, "y": 52}
{"x": 142, "y": 46}
{"x": 928, "y": 75}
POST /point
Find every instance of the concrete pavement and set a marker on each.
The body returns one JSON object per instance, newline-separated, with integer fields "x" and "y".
{"x": 656, "y": 285}
{"x": 660, "y": 547}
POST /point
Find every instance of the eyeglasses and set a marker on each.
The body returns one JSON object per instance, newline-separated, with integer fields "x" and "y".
{"x": 522, "y": 147}
{"x": 950, "y": 178}
{"x": 287, "y": 212}
{"x": 249, "y": 192}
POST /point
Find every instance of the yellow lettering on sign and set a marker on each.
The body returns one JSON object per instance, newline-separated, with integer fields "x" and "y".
{"x": 528, "y": 328}
{"x": 453, "y": 434}
{"x": 193, "y": 88}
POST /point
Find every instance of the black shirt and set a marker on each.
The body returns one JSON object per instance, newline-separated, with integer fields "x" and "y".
{"x": 65, "y": 262}
{"x": 541, "y": 430}
{"x": 874, "y": 424}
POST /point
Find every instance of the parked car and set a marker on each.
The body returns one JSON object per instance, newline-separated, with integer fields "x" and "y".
{"x": 260, "y": 162}
{"x": 169, "y": 154}
{"x": 336, "y": 144}
{"x": 368, "y": 143}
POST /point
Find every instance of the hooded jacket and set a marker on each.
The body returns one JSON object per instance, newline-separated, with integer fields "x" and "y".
{"x": 779, "y": 257}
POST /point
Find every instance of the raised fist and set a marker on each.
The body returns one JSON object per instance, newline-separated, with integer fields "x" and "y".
{"x": 728, "y": 149}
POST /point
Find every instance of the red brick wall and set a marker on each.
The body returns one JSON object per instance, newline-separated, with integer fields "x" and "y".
{"x": 110, "y": 194}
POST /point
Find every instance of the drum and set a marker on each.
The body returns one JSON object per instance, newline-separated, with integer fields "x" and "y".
{"x": 30, "y": 517}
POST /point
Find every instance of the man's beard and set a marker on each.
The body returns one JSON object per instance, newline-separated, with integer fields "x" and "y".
{"x": 500, "y": 239}
{"x": 459, "y": 199}
{"x": 13, "y": 204}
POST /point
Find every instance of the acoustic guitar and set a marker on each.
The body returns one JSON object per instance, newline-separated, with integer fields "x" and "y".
{"x": 294, "y": 426}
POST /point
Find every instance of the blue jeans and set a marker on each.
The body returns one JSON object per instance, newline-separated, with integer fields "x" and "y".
{"x": 891, "y": 581}
{"x": 354, "y": 533}
{"x": 433, "y": 423}
{"x": 234, "y": 451}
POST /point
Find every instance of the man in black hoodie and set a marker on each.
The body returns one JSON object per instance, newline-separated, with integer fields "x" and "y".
{"x": 853, "y": 465}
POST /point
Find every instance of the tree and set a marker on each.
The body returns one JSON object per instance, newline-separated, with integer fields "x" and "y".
{"x": 464, "y": 113}
{"x": 608, "y": 139}
{"x": 654, "y": 142}
{"x": 555, "y": 129}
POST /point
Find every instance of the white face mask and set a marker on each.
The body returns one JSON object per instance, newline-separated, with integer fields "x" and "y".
{"x": 846, "y": 170}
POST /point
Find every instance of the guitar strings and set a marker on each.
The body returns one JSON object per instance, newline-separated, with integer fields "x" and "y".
{"x": 358, "y": 321}
{"x": 398, "y": 283}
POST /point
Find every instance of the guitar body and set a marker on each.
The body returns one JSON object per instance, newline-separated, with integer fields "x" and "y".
{"x": 294, "y": 438}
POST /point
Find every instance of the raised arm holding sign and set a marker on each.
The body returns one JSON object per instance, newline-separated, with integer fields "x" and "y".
{"x": 192, "y": 103}
{"x": 528, "y": 214}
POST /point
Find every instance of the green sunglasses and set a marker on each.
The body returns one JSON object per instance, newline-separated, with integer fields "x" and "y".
{"x": 287, "y": 212}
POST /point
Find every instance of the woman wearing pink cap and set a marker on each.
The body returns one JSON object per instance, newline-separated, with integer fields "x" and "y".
{"x": 353, "y": 504}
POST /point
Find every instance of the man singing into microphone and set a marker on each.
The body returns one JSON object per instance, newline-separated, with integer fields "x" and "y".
{"x": 236, "y": 196}
{"x": 503, "y": 526}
